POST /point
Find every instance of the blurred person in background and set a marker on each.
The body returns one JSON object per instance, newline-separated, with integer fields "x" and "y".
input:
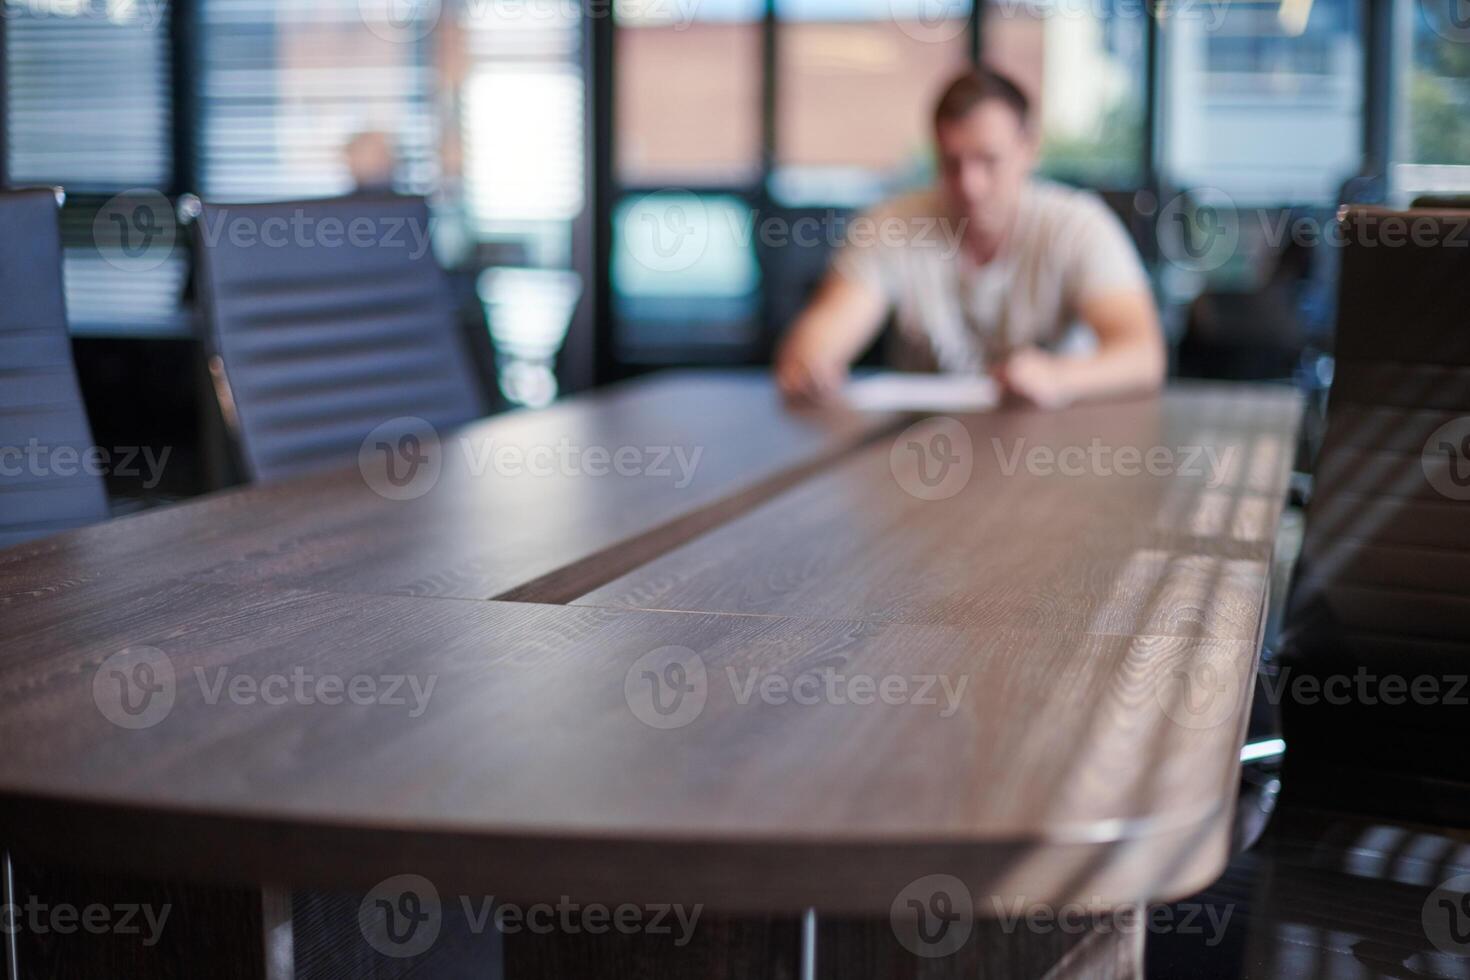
{"x": 372, "y": 160}
{"x": 991, "y": 271}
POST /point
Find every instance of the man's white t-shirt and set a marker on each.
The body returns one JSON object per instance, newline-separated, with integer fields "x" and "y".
{"x": 955, "y": 316}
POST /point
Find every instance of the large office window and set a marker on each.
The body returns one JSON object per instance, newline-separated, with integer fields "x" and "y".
{"x": 746, "y": 132}
{"x": 1432, "y": 137}
{"x": 1263, "y": 103}
{"x": 87, "y": 95}
{"x": 854, "y": 83}
{"x": 286, "y": 86}
{"x": 688, "y": 166}
{"x": 521, "y": 106}
{"x": 1083, "y": 64}
{"x": 514, "y": 72}
{"x": 688, "y": 101}
{"x": 88, "y": 107}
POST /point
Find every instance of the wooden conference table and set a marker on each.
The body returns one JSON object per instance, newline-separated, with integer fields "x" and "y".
{"x": 761, "y": 662}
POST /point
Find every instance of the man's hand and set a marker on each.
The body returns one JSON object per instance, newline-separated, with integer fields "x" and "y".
{"x": 845, "y": 316}
{"x": 1129, "y": 358}
{"x": 805, "y": 375}
{"x": 1034, "y": 377}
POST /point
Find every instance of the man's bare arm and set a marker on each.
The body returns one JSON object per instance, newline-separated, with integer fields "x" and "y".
{"x": 841, "y": 320}
{"x": 1130, "y": 356}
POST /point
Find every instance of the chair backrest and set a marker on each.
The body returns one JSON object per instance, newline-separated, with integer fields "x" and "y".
{"x": 1381, "y": 600}
{"x": 48, "y": 480}
{"x": 327, "y": 319}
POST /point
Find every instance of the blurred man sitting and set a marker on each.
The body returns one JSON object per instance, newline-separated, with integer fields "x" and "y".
{"x": 992, "y": 271}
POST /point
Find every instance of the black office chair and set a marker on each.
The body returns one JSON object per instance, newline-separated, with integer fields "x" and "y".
{"x": 325, "y": 319}
{"x": 46, "y": 484}
{"x": 1383, "y": 585}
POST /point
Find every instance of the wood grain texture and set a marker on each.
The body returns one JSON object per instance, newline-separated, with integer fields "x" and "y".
{"x": 529, "y": 754}
{"x": 1064, "y": 665}
{"x": 1186, "y": 553}
{"x": 483, "y": 527}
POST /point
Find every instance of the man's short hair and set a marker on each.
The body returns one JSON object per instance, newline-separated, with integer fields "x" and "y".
{"x": 977, "y": 86}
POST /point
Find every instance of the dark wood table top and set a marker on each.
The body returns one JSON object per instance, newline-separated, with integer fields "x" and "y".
{"x": 1038, "y": 684}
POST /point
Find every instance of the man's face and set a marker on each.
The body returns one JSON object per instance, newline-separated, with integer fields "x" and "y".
{"x": 984, "y": 160}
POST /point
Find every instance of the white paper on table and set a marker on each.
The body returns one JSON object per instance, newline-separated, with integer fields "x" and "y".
{"x": 898, "y": 392}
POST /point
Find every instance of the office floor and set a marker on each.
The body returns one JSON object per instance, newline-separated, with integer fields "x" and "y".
{"x": 1323, "y": 896}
